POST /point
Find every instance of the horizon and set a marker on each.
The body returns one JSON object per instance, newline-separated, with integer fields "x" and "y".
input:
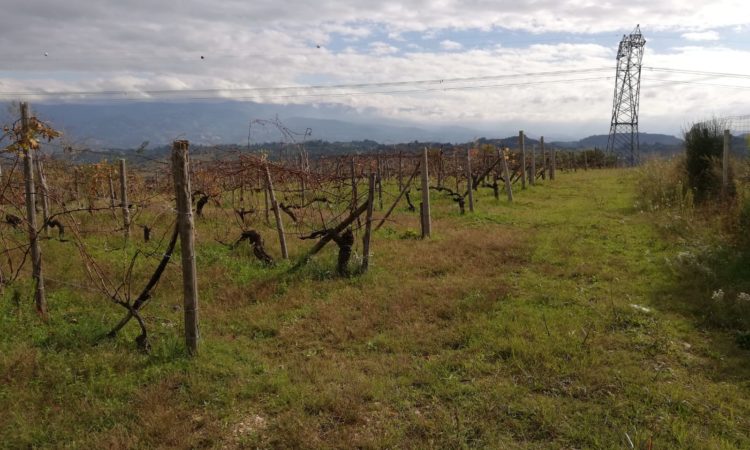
{"x": 96, "y": 125}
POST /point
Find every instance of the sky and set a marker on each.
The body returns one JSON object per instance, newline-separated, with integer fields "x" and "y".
{"x": 546, "y": 66}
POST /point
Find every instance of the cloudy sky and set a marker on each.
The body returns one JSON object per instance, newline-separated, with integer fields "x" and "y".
{"x": 467, "y": 56}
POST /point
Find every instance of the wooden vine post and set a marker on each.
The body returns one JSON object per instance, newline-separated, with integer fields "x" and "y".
{"x": 425, "y": 209}
{"x": 368, "y": 224}
{"x": 506, "y": 174}
{"x": 553, "y": 163}
{"x": 276, "y": 214}
{"x": 124, "y": 199}
{"x": 469, "y": 180}
{"x": 532, "y": 169}
{"x": 186, "y": 226}
{"x": 545, "y": 168}
{"x": 522, "y": 147}
{"x": 380, "y": 184}
{"x": 36, "y": 253}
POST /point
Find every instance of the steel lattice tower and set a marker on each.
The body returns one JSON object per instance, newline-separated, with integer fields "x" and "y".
{"x": 623, "y": 133}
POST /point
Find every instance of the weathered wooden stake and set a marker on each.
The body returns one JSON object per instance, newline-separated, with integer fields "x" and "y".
{"x": 545, "y": 169}
{"x": 40, "y": 298}
{"x": 368, "y": 224}
{"x": 186, "y": 226}
{"x": 426, "y": 219}
{"x": 277, "y": 214}
{"x": 522, "y": 147}
{"x": 553, "y": 163}
{"x": 380, "y": 184}
{"x": 506, "y": 174}
{"x": 124, "y": 199}
{"x": 532, "y": 169}
{"x": 470, "y": 180}
{"x": 353, "y": 173}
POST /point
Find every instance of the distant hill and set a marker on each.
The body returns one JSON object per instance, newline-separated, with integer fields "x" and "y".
{"x": 600, "y": 141}
{"x": 125, "y": 125}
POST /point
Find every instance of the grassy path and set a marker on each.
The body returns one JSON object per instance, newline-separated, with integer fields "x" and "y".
{"x": 550, "y": 323}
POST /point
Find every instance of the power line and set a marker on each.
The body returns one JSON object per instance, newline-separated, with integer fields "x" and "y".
{"x": 360, "y": 89}
{"x": 661, "y": 81}
{"x": 697, "y": 72}
{"x": 362, "y": 93}
{"x": 156, "y": 92}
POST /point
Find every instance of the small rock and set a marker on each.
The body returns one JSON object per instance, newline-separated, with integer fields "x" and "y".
{"x": 640, "y": 308}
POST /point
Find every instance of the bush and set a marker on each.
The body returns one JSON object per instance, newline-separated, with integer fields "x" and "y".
{"x": 704, "y": 144}
{"x": 742, "y": 224}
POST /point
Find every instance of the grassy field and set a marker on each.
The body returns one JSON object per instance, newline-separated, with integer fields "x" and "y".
{"x": 556, "y": 322}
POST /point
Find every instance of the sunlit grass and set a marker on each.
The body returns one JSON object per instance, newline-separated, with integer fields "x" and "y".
{"x": 554, "y": 322}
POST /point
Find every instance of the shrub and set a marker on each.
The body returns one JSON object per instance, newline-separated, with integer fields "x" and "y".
{"x": 742, "y": 229}
{"x": 704, "y": 143}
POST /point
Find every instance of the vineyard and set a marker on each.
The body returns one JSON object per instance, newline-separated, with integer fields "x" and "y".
{"x": 234, "y": 198}
{"x": 478, "y": 297}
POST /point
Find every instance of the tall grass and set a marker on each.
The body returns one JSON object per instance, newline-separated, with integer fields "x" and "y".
{"x": 662, "y": 184}
{"x": 713, "y": 230}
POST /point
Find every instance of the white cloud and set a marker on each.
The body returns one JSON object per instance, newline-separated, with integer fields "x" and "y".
{"x": 347, "y": 30}
{"x": 381, "y": 48}
{"x": 450, "y": 45}
{"x": 709, "y": 35}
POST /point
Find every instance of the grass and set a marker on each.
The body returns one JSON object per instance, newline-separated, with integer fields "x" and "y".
{"x": 554, "y": 322}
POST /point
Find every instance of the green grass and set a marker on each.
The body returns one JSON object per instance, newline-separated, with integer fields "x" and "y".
{"x": 514, "y": 327}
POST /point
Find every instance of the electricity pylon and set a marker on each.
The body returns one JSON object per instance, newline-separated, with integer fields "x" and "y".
{"x": 623, "y": 139}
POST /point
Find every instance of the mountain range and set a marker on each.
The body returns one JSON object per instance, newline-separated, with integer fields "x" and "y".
{"x": 128, "y": 125}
